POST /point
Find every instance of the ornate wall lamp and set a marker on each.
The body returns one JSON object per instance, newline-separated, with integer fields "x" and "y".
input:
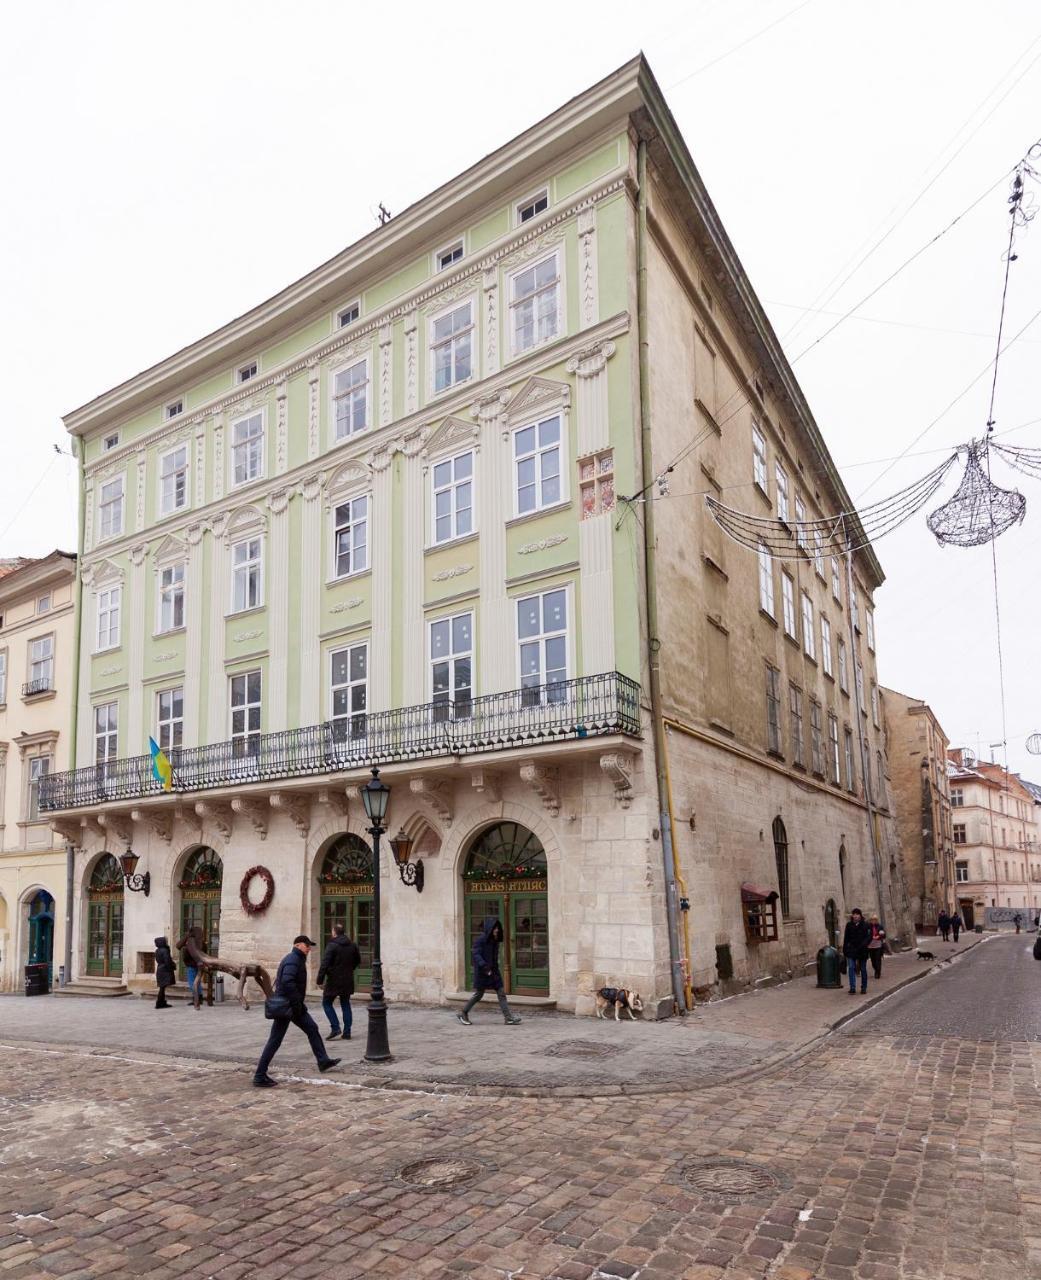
{"x": 135, "y": 883}
{"x": 410, "y": 872}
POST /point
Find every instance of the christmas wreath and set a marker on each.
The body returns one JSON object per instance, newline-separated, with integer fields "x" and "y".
{"x": 256, "y": 908}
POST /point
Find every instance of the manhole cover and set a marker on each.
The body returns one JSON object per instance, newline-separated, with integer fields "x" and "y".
{"x": 729, "y": 1179}
{"x": 436, "y": 1173}
{"x": 583, "y": 1049}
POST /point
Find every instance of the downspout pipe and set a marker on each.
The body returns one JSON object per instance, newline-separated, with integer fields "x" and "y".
{"x": 651, "y": 593}
{"x": 70, "y": 848}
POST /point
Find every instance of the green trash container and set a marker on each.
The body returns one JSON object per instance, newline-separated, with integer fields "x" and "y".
{"x": 829, "y": 972}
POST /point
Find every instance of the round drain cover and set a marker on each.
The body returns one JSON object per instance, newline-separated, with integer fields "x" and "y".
{"x": 437, "y": 1172}
{"x": 729, "y": 1179}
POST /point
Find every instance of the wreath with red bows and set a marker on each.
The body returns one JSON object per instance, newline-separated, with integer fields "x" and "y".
{"x": 256, "y": 908}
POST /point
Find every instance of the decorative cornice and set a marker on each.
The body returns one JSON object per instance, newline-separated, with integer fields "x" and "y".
{"x": 544, "y": 780}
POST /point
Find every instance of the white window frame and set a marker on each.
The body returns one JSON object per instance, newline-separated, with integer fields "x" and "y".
{"x": 542, "y": 639}
{"x": 46, "y": 662}
{"x": 957, "y": 797}
{"x": 836, "y": 579}
{"x": 798, "y": 725}
{"x": 791, "y": 626}
{"x": 37, "y": 767}
{"x": 766, "y": 581}
{"x": 452, "y": 488}
{"x": 454, "y": 251}
{"x": 173, "y": 409}
{"x": 843, "y": 667}
{"x": 538, "y": 454}
{"x": 3, "y": 677}
{"x": 833, "y": 744}
{"x": 874, "y": 704}
{"x": 851, "y": 764}
{"x": 774, "y": 737}
{"x": 816, "y": 738}
{"x": 167, "y": 592}
{"x": 185, "y": 470}
{"x": 800, "y": 520}
{"x": 560, "y": 322}
{"x": 362, "y": 386}
{"x": 469, "y": 332}
{"x": 253, "y": 368}
{"x": 108, "y": 618}
{"x": 109, "y": 735}
{"x": 242, "y": 569}
{"x": 351, "y": 522}
{"x": 111, "y": 441}
{"x": 540, "y": 193}
{"x": 451, "y": 700}
{"x": 826, "y": 656}
{"x": 781, "y": 480}
{"x": 818, "y": 552}
{"x": 809, "y": 634}
{"x": 338, "y": 316}
{"x": 43, "y": 604}
{"x": 355, "y": 718}
{"x": 869, "y": 626}
{"x": 249, "y": 738}
{"x": 169, "y": 726}
{"x": 759, "y": 459}
{"x": 961, "y": 871}
{"x": 117, "y": 504}
{"x": 234, "y": 445}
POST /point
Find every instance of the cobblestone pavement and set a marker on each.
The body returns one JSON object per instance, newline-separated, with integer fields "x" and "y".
{"x": 874, "y": 1156}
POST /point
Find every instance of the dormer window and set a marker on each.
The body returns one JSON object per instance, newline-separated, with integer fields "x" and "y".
{"x": 174, "y": 409}
{"x": 247, "y": 371}
{"x": 110, "y": 442}
{"x": 451, "y": 253}
{"x": 532, "y": 207}
{"x": 348, "y": 315}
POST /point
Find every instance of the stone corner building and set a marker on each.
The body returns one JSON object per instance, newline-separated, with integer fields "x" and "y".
{"x": 405, "y": 513}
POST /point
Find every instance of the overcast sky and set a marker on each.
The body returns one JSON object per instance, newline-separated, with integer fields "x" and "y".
{"x": 167, "y": 166}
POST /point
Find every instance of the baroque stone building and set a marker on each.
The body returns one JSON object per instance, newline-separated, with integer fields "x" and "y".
{"x": 407, "y": 513}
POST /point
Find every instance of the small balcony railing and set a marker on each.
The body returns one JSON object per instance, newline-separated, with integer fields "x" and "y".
{"x": 42, "y": 684}
{"x": 521, "y": 718}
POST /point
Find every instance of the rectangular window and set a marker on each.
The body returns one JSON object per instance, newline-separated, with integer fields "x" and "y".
{"x": 826, "y": 645}
{"x": 106, "y": 732}
{"x": 766, "y": 582}
{"x": 854, "y": 612}
{"x": 874, "y": 704}
{"x": 350, "y": 691}
{"x": 3, "y": 677}
{"x": 108, "y": 617}
{"x": 800, "y": 520}
{"x": 170, "y": 718}
{"x": 833, "y": 747}
{"x": 961, "y": 872}
{"x": 773, "y": 711}
{"x": 759, "y": 457}
{"x": 451, "y": 253}
{"x": 818, "y": 552}
{"x": 816, "y": 739}
{"x": 809, "y": 634}
{"x": 537, "y": 466}
{"x": 542, "y": 640}
{"x": 532, "y": 207}
{"x": 959, "y": 833}
{"x": 836, "y": 579}
{"x": 173, "y": 480}
{"x": 41, "y": 664}
{"x": 453, "y": 497}
{"x": 112, "y": 507}
{"x": 245, "y": 575}
{"x": 860, "y": 688}
{"x": 39, "y": 767}
{"x": 535, "y": 304}
{"x": 851, "y": 771}
{"x": 351, "y": 537}
{"x": 351, "y": 400}
{"x": 957, "y": 797}
{"x": 247, "y": 371}
{"x": 451, "y": 667}
{"x": 798, "y": 741}
{"x": 245, "y": 714}
{"x": 110, "y": 442}
{"x": 451, "y": 347}
{"x": 596, "y": 483}
{"x": 247, "y": 449}
{"x": 843, "y": 670}
{"x": 43, "y": 605}
{"x": 788, "y": 603}
{"x": 348, "y": 315}
{"x": 781, "y": 476}
{"x": 171, "y": 597}
{"x": 869, "y": 622}
{"x": 174, "y": 409}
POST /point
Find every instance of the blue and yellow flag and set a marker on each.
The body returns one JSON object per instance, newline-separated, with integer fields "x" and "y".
{"x": 162, "y": 769}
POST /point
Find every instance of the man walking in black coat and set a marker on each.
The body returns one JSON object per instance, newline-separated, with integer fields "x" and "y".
{"x": 165, "y": 973}
{"x": 487, "y": 976}
{"x": 955, "y": 925}
{"x": 291, "y": 983}
{"x": 855, "y": 949}
{"x": 341, "y": 959}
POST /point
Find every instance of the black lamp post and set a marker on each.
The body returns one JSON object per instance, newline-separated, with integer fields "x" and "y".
{"x": 376, "y": 796}
{"x": 136, "y": 884}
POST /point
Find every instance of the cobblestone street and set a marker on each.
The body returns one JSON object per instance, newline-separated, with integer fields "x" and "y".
{"x": 905, "y": 1145}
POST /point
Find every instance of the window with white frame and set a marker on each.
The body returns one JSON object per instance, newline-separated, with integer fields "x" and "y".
{"x": 874, "y": 703}
{"x": 854, "y": 612}
{"x": 758, "y": 457}
{"x": 449, "y": 254}
{"x": 43, "y": 604}
{"x": 826, "y": 645}
{"x": 809, "y": 635}
{"x": 451, "y": 667}
{"x": 957, "y": 797}
{"x": 351, "y": 537}
{"x": 347, "y": 315}
{"x": 170, "y": 717}
{"x": 351, "y": 399}
{"x": 111, "y": 507}
{"x": 773, "y": 711}
{"x": 781, "y": 477}
{"x": 173, "y": 480}
{"x": 843, "y": 669}
{"x": 451, "y": 347}
{"x": 247, "y": 449}
{"x": 869, "y": 623}
{"x": 798, "y": 738}
{"x": 833, "y": 747}
{"x": 961, "y": 872}
{"x": 246, "y": 574}
{"x": 41, "y": 663}
{"x": 816, "y": 738}
{"x": 788, "y": 604}
{"x": 543, "y": 642}
{"x": 110, "y": 442}
{"x": 106, "y": 732}
{"x": 108, "y": 611}
{"x": 538, "y": 465}
{"x": 851, "y": 770}
{"x": 535, "y": 304}
{"x": 247, "y": 371}
{"x": 174, "y": 409}
{"x": 818, "y": 552}
{"x": 859, "y": 673}
{"x": 39, "y": 767}
{"x": 532, "y": 206}
{"x": 453, "y": 497}
{"x": 836, "y": 579}
{"x": 245, "y": 713}
{"x": 766, "y": 581}
{"x": 800, "y": 521}
{"x": 349, "y": 691}
{"x": 171, "y": 597}
{"x": 3, "y": 677}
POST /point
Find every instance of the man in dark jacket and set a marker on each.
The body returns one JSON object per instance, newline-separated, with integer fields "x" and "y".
{"x": 165, "y": 974}
{"x": 955, "y": 924}
{"x": 855, "y": 949}
{"x": 291, "y": 982}
{"x": 487, "y": 977}
{"x": 341, "y": 959}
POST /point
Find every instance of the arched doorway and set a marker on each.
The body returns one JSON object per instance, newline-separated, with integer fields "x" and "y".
{"x": 504, "y": 875}
{"x": 105, "y": 919}
{"x": 41, "y": 932}
{"x": 345, "y": 894}
{"x": 200, "y": 887}
{"x": 831, "y": 922}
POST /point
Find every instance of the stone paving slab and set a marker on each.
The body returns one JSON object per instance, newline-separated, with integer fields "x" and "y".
{"x": 549, "y": 1053}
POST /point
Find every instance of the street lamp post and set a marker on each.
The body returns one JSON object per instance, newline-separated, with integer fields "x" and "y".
{"x": 376, "y": 796}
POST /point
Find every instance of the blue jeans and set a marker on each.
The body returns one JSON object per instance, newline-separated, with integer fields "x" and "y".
{"x": 851, "y": 968}
{"x": 279, "y": 1027}
{"x": 329, "y": 1009}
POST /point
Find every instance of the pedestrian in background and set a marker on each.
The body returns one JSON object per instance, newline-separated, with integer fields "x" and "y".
{"x": 165, "y": 974}
{"x": 876, "y": 945}
{"x": 855, "y": 950}
{"x": 943, "y": 923}
{"x": 336, "y": 978}
{"x": 191, "y": 969}
{"x": 287, "y": 1006}
{"x": 956, "y": 925}
{"x": 487, "y": 977}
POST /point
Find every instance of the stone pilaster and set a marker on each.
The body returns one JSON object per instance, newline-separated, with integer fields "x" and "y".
{"x": 386, "y": 359}
{"x": 133, "y": 623}
{"x": 490, "y": 287}
{"x": 195, "y": 610}
{"x": 496, "y": 642}
{"x": 308, "y": 644}
{"x": 314, "y": 379}
{"x": 282, "y": 428}
{"x": 587, "y": 268}
{"x": 413, "y": 632}
{"x": 276, "y": 596}
{"x": 381, "y": 645}
{"x": 220, "y": 577}
{"x": 591, "y": 415}
{"x": 411, "y": 363}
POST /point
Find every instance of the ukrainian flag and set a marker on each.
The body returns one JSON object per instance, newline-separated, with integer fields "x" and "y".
{"x": 162, "y": 769}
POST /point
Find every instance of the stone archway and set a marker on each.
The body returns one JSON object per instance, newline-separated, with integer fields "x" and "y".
{"x": 105, "y": 918}
{"x": 199, "y": 886}
{"x": 344, "y": 871}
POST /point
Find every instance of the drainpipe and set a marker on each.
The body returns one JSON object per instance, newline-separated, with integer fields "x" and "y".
{"x": 651, "y": 594}
{"x": 70, "y": 849}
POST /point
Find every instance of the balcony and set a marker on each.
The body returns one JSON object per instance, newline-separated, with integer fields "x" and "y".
{"x": 520, "y": 719}
{"x": 33, "y": 688}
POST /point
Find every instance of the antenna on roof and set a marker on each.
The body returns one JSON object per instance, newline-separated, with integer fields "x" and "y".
{"x": 968, "y": 758}
{"x": 383, "y": 214}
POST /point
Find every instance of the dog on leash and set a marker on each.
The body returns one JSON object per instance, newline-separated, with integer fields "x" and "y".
{"x": 925, "y": 955}
{"x": 621, "y": 999}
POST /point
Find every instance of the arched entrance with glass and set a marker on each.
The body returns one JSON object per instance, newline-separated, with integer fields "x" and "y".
{"x": 504, "y": 875}
{"x": 105, "y": 919}
{"x": 345, "y": 897}
{"x": 41, "y": 932}
{"x": 200, "y": 887}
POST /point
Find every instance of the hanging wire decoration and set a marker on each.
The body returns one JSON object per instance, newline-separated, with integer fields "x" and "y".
{"x": 979, "y": 510}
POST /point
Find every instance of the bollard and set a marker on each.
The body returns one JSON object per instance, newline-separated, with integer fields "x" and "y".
{"x": 828, "y": 972}
{"x": 218, "y": 989}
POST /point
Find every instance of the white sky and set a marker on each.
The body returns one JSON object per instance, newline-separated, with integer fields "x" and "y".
{"x": 167, "y": 166}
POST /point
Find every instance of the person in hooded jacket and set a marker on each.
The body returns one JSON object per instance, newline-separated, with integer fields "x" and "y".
{"x": 165, "y": 974}
{"x": 336, "y": 977}
{"x": 487, "y": 975}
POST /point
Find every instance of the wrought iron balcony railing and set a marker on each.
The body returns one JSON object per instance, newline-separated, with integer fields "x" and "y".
{"x": 568, "y": 709}
{"x": 32, "y": 687}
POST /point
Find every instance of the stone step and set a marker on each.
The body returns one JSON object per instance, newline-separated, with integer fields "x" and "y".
{"x": 87, "y": 986}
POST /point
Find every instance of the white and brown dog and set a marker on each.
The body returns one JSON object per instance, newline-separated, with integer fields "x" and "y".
{"x": 621, "y": 999}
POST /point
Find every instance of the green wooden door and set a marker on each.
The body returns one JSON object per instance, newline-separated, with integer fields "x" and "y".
{"x": 478, "y": 907}
{"x": 105, "y": 937}
{"x": 529, "y": 943}
{"x": 202, "y": 910}
{"x": 354, "y": 912}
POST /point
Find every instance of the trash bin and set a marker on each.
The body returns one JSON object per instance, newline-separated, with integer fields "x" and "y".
{"x": 828, "y": 972}
{"x": 36, "y": 983}
{"x": 218, "y": 989}
{"x": 978, "y": 929}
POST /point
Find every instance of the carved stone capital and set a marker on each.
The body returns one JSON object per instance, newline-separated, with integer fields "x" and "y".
{"x": 436, "y": 795}
{"x": 490, "y": 408}
{"x": 311, "y": 488}
{"x": 255, "y": 810}
{"x": 545, "y": 782}
{"x": 380, "y": 459}
{"x": 297, "y": 807}
{"x": 486, "y": 783}
{"x": 137, "y": 554}
{"x": 278, "y": 501}
{"x": 70, "y": 831}
{"x": 118, "y": 825}
{"x": 592, "y": 360}
{"x": 334, "y": 800}
{"x": 618, "y": 765}
{"x": 193, "y": 534}
{"x": 220, "y": 816}
{"x": 158, "y": 821}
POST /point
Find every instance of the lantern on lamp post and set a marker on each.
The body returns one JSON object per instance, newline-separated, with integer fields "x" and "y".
{"x": 135, "y": 883}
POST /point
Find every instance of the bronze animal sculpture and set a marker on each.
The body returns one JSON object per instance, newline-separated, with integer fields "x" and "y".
{"x": 192, "y": 944}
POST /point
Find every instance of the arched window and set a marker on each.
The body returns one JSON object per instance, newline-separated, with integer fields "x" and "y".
{"x": 504, "y": 852}
{"x": 842, "y": 871}
{"x": 203, "y": 870}
{"x": 781, "y": 856}
{"x": 348, "y": 861}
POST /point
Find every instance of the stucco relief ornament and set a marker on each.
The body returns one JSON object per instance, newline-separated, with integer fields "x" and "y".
{"x": 240, "y": 636}
{"x": 352, "y": 603}
{"x": 457, "y": 571}
{"x": 543, "y": 544}
{"x": 250, "y": 907}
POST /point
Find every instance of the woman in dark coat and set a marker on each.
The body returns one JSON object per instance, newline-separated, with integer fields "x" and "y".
{"x": 487, "y": 976}
{"x": 165, "y": 974}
